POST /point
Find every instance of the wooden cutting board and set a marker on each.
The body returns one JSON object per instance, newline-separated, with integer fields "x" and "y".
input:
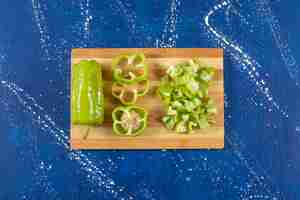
{"x": 155, "y": 136}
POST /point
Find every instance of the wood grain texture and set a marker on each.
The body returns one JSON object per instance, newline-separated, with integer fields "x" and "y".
{"x": 149, "y": 52}
{"x": 155, "y": 135}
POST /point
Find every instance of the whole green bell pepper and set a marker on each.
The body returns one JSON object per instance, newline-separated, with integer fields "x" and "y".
{"x": 129, "y": 68}
{"x": 87, "y": 100}
{"x": 129, "y": 121}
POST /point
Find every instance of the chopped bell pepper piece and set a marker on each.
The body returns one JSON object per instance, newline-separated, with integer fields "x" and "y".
{"x": 184, "y": 91}
{"x": 87, "y": 100}
{"x": 129, "y": 121}
{"x": 129, "y": 93}
{"x": 129, "y": 68}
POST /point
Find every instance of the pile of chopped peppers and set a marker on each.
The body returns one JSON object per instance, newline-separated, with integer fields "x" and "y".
{"x": 130, "y": 81}
{"x": 184, "y": 91}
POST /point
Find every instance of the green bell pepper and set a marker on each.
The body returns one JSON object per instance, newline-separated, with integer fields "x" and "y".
{"x": 87, "y": 100}
{"x": 129, "y": 121}
{"x": 128, "y": 93}
{"x": 129, "y": 68}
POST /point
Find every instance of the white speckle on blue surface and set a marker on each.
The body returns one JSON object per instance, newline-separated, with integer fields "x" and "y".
{"x": 85, "y": 13}
{"x": 243, "y": 59}
{"x": 169, "y": 35}
{"x": 40, "y": 21}
{"x": 286, "y": 54}
{"x": 188, "y": 179}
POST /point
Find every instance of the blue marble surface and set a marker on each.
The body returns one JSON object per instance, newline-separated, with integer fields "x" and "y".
{"x": 262, "y": 108}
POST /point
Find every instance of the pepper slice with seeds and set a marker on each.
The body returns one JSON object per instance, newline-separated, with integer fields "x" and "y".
{"x": 129, "y": 93}
{"x": 129, "y": 121}
{"x": 129, "y": 68}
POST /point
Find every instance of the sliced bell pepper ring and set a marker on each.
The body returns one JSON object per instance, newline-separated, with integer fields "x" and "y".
{"x": 87, "y": 101}
{"x": 129, "y": 68}
{"x": 129, "y": 93}
{"x": 129, "y": 121}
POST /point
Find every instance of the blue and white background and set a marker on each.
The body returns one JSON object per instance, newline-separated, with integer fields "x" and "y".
{"x": 261, "y": 159}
